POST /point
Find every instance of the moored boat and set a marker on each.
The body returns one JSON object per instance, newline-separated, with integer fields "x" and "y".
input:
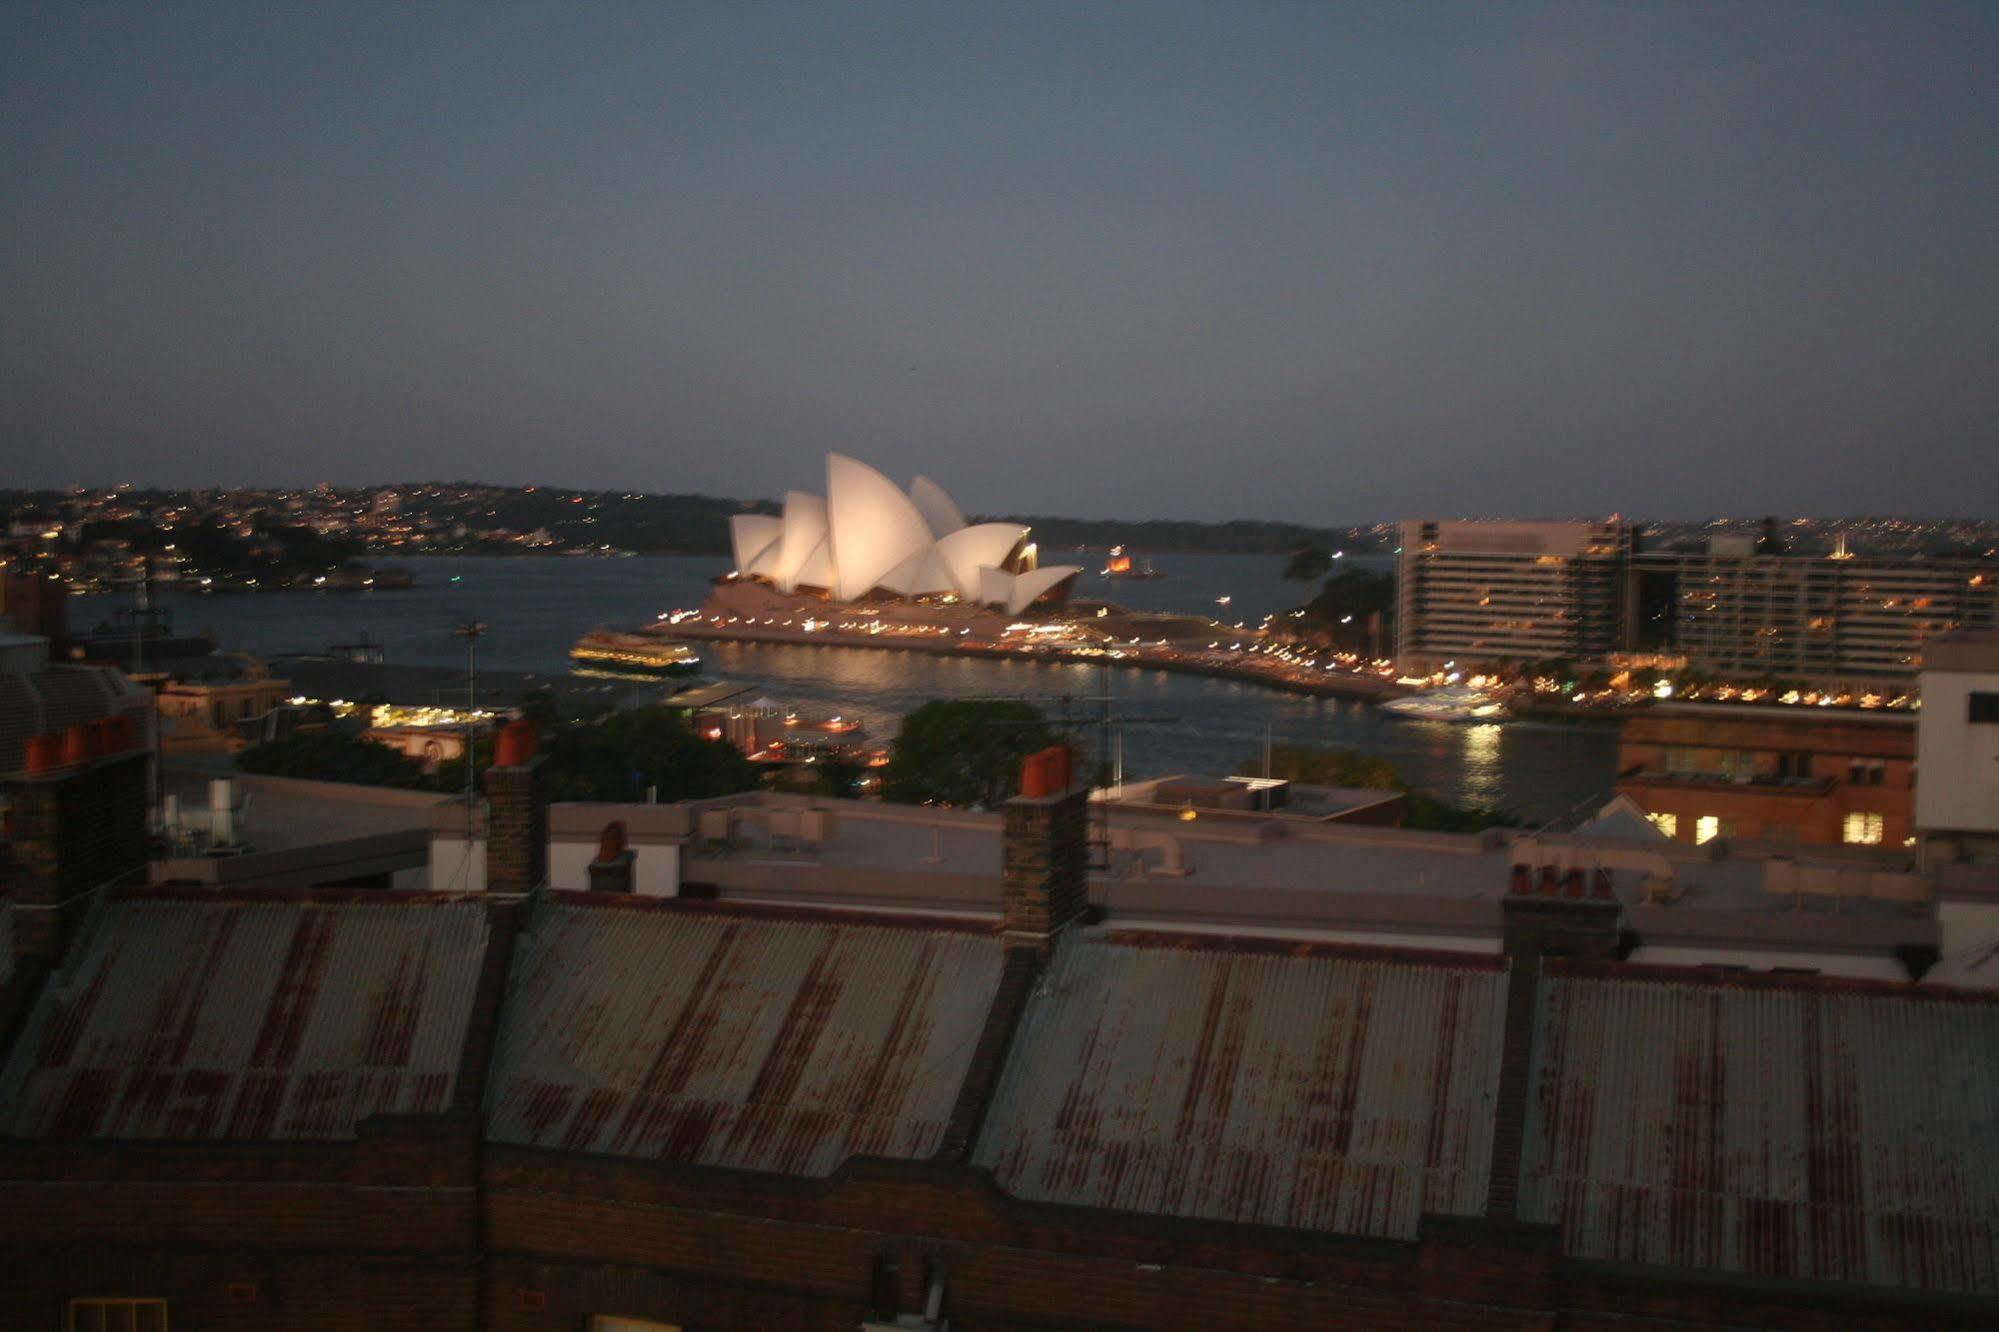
{"x": 1121, "y": 565}
{"x": 1450, "y": 705}
{"x": 634, "y": 654}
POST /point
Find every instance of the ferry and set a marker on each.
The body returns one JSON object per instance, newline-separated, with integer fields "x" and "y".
{"x": 634, "y": 654}
{"x": 1449, "y": 705}
{"x": 1121, "y": 565}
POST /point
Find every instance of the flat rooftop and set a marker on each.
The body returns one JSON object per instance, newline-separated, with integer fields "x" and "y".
{"x": 1151, "y": 850}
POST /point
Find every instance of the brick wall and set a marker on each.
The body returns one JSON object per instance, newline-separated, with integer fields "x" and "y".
{"x": 1044, "y": 864}
{"x": 516, "y": 827}
{"x": 376, "y": 1234}
{"x": 72, "y": 830}
{"x": 417, "y": 1227}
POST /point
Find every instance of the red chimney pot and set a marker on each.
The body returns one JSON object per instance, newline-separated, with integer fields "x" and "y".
{"x": 518, "y": 740}
{"x": 78, "y": 745}
{"x": 1034, "y": 775}
{"x": 43, "y": 753}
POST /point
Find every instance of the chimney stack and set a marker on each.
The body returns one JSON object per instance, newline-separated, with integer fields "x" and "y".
{"x": 77, "y": 820}
{"x": 516, "y": 813}
{"x": 611, "y": 871}
{"x": 1044, "y": 857}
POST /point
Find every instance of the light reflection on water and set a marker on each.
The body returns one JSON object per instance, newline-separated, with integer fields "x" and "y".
{"x": 536, "y": 607}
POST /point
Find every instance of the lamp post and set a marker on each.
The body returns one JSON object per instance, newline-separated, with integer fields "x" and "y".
{"x": 471, "y": 631}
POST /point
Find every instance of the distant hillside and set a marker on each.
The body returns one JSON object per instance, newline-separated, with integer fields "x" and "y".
{"x": 1241, "y": 536}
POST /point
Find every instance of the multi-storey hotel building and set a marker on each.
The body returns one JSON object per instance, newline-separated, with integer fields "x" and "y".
{"x": 1490, "y": 591}
{"x": 1820, "y": 619}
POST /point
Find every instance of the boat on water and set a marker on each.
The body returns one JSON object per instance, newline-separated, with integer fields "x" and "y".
{"x": 1121, "y": 565}
{"x": 1448, "y": 705}
{"x": 633, "y": 654}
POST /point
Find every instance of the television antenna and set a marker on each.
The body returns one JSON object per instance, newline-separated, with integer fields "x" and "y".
{"x": 1074, "y": 714}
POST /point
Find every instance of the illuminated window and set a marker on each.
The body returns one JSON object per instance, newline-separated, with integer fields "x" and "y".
{"x": 1862, "y": 830}
{"x": 1668, "y": 824}
{"x": 116, "y": 1314}
{"x": 1706, "y": 828}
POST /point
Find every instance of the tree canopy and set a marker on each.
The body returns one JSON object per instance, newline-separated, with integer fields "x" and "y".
{"x": 333, "y": 756}
{"x": 963, "y": 751}
{"x": 618, "y": 757}
{"x": 1308, "y": 562}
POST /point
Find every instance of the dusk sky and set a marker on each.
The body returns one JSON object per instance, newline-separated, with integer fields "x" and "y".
{"x": 1319, "y": 262}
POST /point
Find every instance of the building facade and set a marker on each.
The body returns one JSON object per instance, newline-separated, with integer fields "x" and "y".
{"x": 1957, "y": 806}
{"x": 1491, "y": 592}
{"x": 1477, "y": 592}
{"x": 1817, "y": 619}
{"x": 1707, "y": 771}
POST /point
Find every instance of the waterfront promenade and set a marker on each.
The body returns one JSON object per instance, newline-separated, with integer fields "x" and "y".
{"x": 1251, "y": 667}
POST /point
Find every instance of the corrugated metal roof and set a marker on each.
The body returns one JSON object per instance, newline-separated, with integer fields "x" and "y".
{"x": 1332, "y": 1090}
{"x": 189, "y": 1018}
{"x": 736, "y": 1039}
{"x": 1805, "y": 1130}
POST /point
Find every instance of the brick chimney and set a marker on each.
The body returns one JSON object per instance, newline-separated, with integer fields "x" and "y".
{"x": 77, "y": 820}
{"x": 516, "y": 813}
{"x": 1544, "y": 915}
{"x": 611, "y": 871}
{"x": 1044, "y": 856}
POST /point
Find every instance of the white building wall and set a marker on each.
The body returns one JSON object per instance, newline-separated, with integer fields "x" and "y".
{"x": 1957, "y": 772}
{"x": 655, "y": 868}
{"x": 456, "y": 865}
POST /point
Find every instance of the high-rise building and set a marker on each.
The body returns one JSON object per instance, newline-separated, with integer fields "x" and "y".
{"x": 1815, "y": 618}
{"x": 1478, "y": 592}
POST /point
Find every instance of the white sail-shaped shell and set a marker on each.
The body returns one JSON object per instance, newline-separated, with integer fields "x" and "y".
{"x": 804, "y": 533}
{"x": 1029, "y": 588}
{"x": 995, "y": 586}
{"x": 817, "y": 571}
{"x": 750, "y": 535}
{"x": 937, "y": 507}
{"x": 970, "y": 549}
{"x": 922, "y": 574}
{"x": 875, "y": 527}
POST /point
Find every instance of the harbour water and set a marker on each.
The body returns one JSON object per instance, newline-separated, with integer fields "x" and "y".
{"x": 536, "y": 607}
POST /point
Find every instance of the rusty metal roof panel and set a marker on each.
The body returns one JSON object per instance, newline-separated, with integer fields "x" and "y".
{"x": 1813, "y": 1131}
{"x": 1334, "y": 1090}
{"x": 737, "y": 1039}
{"x": 231, "y": 1019}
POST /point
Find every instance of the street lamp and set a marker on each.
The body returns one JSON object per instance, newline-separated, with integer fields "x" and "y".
{"x": 471, "y": 631}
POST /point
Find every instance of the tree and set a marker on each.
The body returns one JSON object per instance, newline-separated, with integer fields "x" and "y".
{"x": 963, "y": 751}
{"x": 1308, "y": 563}
{"x": 1352, "y": 592}
{"x": 331, "y": 756}
{"x": 625, "y": 755}
{"x": 1314, "y": 766}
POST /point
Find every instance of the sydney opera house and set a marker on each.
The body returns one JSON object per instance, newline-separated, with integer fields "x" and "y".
{"x": 867, "y": 537}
